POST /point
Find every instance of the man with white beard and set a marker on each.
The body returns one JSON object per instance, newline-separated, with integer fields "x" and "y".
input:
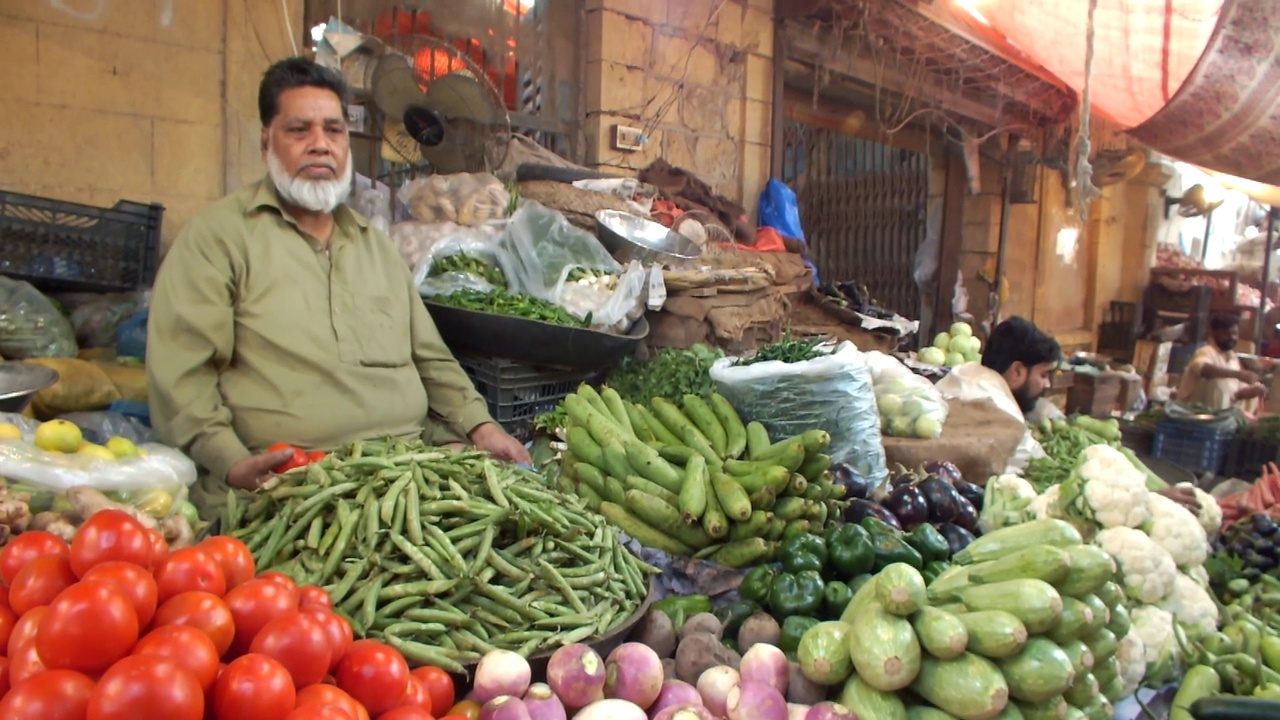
{"x": 281, "y": 315}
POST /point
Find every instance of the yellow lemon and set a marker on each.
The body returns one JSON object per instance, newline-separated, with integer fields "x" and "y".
{"x": 97, "y": 451}
{"x": 122, "y": 447}
{"x": 59, "y": 436}
{"x": 9, "y": 431}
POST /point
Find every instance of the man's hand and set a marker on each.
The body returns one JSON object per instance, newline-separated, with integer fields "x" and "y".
{"x": 1256, "y": 390}
{"x": 251, "y": 472}
{"x": 494, "y": 440}
{"x": 1184, "y": 497}
{"x": 1248, "y": 377}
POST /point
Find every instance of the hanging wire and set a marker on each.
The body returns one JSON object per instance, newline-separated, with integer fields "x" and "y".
{"x": 288, "y": 25}
{"x": 1085, "y": 189}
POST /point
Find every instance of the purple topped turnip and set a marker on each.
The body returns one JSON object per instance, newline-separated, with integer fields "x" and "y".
{"x": 504, "y": 708}
{"x": 675, "y": 693}
{"x": 830, "y": 711}
{"x": 499, "y": 673}
{"x": 576, "y": 675}
{"x": 543, "y": 703}
{"x": 611, "y": 710}
{"x": 714, "y": 686}
{"x": 765, "y": 664}
{"x": 755, "y": 701}
{"x": 685, "y": 712}
{"x": 633, "y": 672}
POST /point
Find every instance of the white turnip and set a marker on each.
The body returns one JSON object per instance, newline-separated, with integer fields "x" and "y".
{"x": 765, "y": 664}
{"x": 685, "y": 712}
{"x": 611, "y": 710}
{"x": 499, "y": 673}
{"x": 543, "y": 703}
{"x": 714, "y": 686}
{"x": 755, "y": 701}
{"x": 504, "y": 708}
{"x": 576, "y": 675}
{"x": 633, "y": 672}
{"x": 675, "y": 693}
{"x": 830, "y": 711}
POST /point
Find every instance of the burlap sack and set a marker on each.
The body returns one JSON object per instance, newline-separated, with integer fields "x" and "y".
{"x": 978, "y": 437}
{"x": 130, "y": 380}
{"x": 81, "y": 386}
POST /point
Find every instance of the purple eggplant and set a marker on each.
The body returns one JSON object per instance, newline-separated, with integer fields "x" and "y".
{"x": 971, "y": 492}
{"x": 909, "y": 504}
{"x": 944, "y": 469}
{"x": 855, "y": 483}
{"x": 859, "y": 509}
{"x": 902, "y": 476}
{"x": 957, "y": 537}
{"x": 943, "y": 499}
{"x": 966, "y": 515}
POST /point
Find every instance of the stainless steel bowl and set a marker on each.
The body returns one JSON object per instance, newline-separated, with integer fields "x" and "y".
{"x": 19, "y": 382}
{"x": 628, "y": 238}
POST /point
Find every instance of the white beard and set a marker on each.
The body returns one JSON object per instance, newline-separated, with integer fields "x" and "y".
{"x": 322, "y": 196}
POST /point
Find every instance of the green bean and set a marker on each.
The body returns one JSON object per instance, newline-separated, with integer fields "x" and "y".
{"x": 418, "y": 557}
{"x": 339, "y": 548}
{"x": 439, "y": 616}
{"x": 420, "y": 588}
{"x": 370, "y": 607}
{"x": 393, "y": 493}
{"x": 423, "y": 654}
{"x": 398, "y": 608}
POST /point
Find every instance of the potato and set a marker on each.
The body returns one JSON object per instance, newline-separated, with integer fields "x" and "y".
{"x": 801, "y": 690}
{"x": 759, "y": 628}
{"x": 669, "y": 669}
{"x": 702, "y": 622}
{"x": 700, "y": 652}
{"x": 656, "y": 631}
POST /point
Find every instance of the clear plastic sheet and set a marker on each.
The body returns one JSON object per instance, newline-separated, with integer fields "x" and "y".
{"x": 463, "y": 198}
{"x": 832, "y": 393}
{"x": 96, "y": 317}
{"x": 910, "y": 406}
{"x": 481, "y": 244}
{"x": 100, "y": 426}
{"x": 31, "y": 326}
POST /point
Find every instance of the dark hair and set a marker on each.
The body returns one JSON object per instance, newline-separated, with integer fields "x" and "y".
{"x": 1224, "y": 321}
{"x": 1018, "y": 340}
{"x": 297, "y": 72}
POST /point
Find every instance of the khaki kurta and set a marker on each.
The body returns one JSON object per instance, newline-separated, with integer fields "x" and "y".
{"x": 257, "y": 336}
{"x": 1218, "y": 393}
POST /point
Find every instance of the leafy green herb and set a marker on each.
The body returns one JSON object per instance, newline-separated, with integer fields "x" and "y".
{"x": 464, "y": 263}
{"x": 670, "y": 374}
{"x": 787, "y": 350}
{"x": 502, "y": 302}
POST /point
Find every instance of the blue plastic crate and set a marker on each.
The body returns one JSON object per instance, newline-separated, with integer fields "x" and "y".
{"x": 1194, "y": 446}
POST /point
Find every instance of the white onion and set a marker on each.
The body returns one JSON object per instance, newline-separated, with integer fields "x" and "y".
{"x": 714, "y": 685}
{"x": 499, "y": 673}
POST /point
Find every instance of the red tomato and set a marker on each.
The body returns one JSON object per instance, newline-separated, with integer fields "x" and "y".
{"x": 256, "y": 603}
{"x": 319, "y": 711}
{"x": 187, "y": 570}
{"x": 233, "y": 557}
{"x": 438, "y": 686}
{"x": 24, "y": 633}
{"x": 4, "y": 595}
{"x": 202, "y": 611}
{"x": 298, "y": 642}
{"x": 159, "y": 547}
{"x": 415, "y": 695}
{"x": 254, "y": 687}
{"x": 53, "y": 695}
{"x": 25, "y": 548}
{"x": 338, "y": 631}
{"x": 330, "y": 695}
{"x": 88, "y": 627}
{"x": 136, "y": 583}
{"x": 39, "y": 582}
{"x": 4, "y": 676}
{"x": 8, "y": 619}
{"x": 279, "y": 577}
{"x": 375, "y": 674}
{"x": 188, "y": 648}
{"x": 316, "y": 456}
{"x": 146, "y": 686}
{"x": 299, "y": 459}
{"x": 25, "y": 664}
{"x": 465, "y": 710}
{"x": 407, "y": 712}
{"x": 110, "y": 535}
{"x": 278, "y": 447}
{"x": 310, "y": 596}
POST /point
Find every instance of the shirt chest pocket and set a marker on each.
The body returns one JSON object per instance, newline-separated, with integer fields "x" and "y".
{"x": 373, "y": 329}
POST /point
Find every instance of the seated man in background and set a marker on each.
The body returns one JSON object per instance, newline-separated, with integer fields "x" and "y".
{"x": 281, "y": 315}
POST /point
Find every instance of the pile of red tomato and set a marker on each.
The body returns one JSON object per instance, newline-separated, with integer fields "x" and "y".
{"x": 115, "y": 627}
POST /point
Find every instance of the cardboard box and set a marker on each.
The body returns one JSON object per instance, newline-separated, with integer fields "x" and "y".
{"x": 1151, "y": 358}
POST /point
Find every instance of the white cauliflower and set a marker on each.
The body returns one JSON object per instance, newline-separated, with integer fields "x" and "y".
{"x": 1148, "y": 569}
{"x": 1006, "y": 502}
{"x": 1131, "y": 657}
{"x": 1200, "y": 575}
{"x": 1045, "y": 505}
{"x": 1175, "y": 529}
{"x": 1155, "y": 628}
{"x": 1210, "y": 516}
{"x": 1192, "y": 606}
{"x": 1107, "y": 489}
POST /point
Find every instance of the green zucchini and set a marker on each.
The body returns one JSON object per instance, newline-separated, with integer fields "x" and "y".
{"x": 1201, "y": 681}
{"x": 941, "y": 634}
{"x": 900, "y": 589}
{"x": 1111, "y": 594}
{"x": 1080, "y": 654}
{"x": 1099, "y": 709}
{"x": 997, "y": 544}
{"x": 824, "y": 653}
{"x": 1083, "y": 689}
{"x": 1114, "y": 690}
{"x": 584, "y": 447}
{"x": 868, "y": 702}
{"x": 1039, "y": 562}
{"x": 924, "y": 712}
{"x": 1102, "y": 645}
{"x": 757, "y": 440}
{"x": 1010, "y": 712}
{"x": 969, "y": 687}
{"x": 1101, "y": 614}
{"x": 884, "y": 648}
{"x": 1052, "y": 709}
{"x": 1034, "y": 602}
{"x": 1105, "y": 669}
{"x": 1091, "y": 568}
{"x": 1038, "y": 673}
{"x": 948, "y": 585}
{"x": 994, "y": 633}
{"x": 1076, "y": 621}
{"x": 1120, "y": 622}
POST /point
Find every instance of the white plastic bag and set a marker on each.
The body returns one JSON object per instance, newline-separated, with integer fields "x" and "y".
{"x": 612, "y": 301}
{"x": 162, "y": 468}
{"x": 832, "y": 393}
{"x": 910, "y": 406}
{"x": 480, "y": 245}
{"x": 464, "y": 198}
{"x": 975, "y": 382}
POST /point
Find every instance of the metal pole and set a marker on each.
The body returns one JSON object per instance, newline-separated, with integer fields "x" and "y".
{"x": 1266, "y": 274}
{"x": 1004, "y": 233}
{"x": 1208, "y": 225}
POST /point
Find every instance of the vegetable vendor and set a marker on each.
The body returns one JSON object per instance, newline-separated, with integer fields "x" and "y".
{"x": 1215, "y": 376}
{"x": 1016, "y": 370}
{"x": 281, "y": 315}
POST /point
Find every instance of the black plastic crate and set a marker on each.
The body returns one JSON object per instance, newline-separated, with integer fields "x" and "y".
{"x": 517, "y": 394}
{"x": 67, "y": 247}
{"x": 1246, "y": 456}
{"x": 1194, "y": 446}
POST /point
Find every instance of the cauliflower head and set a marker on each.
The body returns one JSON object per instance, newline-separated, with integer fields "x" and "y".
{"x": 1148, "y": 569}
{"x": 1210, "y": 516}
{"x": 1192, "y": 606}
{"x": 1200, "y": 575}
{"x": 1108, "y": 489}
{"x": 1131, "y": 658}
{"x": 1175, "y": 529}
{"x": 1155, "y": 628}
{"x": 1045, "y": 505}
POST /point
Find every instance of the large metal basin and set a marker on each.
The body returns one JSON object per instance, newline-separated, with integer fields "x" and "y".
{"x": 628, "y": 238}
{"x": 20, "y": 381}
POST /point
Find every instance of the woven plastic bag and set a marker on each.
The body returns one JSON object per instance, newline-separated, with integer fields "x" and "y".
{"x": 832, "y": 393}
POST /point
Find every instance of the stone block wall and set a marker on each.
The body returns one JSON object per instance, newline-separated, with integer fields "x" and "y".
{"x": 697, "y": 75}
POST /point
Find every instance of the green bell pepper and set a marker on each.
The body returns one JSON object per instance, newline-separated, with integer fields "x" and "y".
{"x": 858, "y": 581}
{"x": 890, "y": 549}
{"x": 733, "y": 615}
{"x": 680, "y": 609}
{"x": 835, "y": 598}
{"x": 796, "y": 594}
{"x": 876, "y": 526}
{"x": 930, "y": 543}
{"x": 794, "y": 628}
{"x": 850, "y": 551}
{"x": 757, "y": 583}
{"x": 932, "y": 570}
{"x": 803, "y": 552}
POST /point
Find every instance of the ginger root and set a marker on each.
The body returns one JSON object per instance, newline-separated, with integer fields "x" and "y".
{"x": 15, "y": 513}
{"x": 55, "y": 523}
{"x": 177, "y": 532}
{"x": 87, "y": 501}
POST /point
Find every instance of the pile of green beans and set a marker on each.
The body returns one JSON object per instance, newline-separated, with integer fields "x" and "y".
{"x": 443, "y": 555}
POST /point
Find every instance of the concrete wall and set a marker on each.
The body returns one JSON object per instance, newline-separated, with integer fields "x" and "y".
{"x": 699, "y": 81}
{"x": 146, "y": 100}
